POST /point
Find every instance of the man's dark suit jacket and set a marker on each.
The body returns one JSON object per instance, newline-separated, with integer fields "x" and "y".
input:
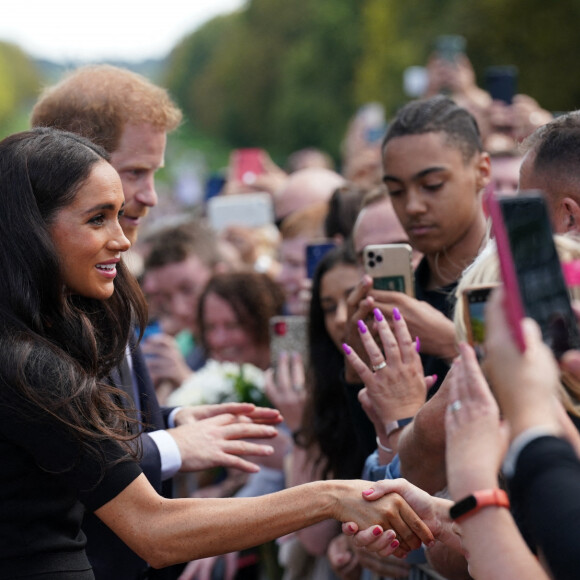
{"x": 110, "y": 557}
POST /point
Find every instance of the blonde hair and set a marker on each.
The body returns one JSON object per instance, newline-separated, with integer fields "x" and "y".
{"x": 485, "y": 270}
{"x": 307, "y": 222}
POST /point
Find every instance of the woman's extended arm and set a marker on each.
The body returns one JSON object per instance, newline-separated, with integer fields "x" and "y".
{"x": 165, "y": 531}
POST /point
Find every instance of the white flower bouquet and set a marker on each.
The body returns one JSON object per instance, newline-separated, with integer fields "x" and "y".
{"x": 221, "y": 382}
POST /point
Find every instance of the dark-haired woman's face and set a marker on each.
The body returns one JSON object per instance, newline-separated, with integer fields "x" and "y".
{"x": 434, "y": 190}
{"x": 335, "y": 286}
{"x": 225, "y": 335}
{"x": 88, "y": 237}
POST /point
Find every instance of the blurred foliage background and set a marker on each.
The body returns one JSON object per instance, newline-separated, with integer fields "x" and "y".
{"x": 286, "y": 75}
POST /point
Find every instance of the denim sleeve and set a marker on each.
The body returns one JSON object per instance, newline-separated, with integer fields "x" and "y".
{"x": 374, "y": 471}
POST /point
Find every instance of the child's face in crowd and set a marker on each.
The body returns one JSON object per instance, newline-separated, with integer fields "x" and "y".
{"x": 434, "y": 191}
{"x": 335, "y": 286}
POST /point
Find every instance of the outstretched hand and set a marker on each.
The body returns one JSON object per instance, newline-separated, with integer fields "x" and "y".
{"x": 220, "y": 441}
{"x": 393, "y": 512}
{"x": 244, "y": 411}
{"x": 433, "y": 512}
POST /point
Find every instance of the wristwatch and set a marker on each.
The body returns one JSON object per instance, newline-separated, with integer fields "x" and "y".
{"x": 393, "y": 426}
{"x": 473, "y": 503}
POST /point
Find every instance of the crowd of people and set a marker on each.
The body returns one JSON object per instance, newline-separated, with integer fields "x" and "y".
{"x": 150, "y": 429}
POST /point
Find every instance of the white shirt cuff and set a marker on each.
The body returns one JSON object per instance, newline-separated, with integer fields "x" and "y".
{"x": 171, "y": 417}
{"x": 169, "y": 452}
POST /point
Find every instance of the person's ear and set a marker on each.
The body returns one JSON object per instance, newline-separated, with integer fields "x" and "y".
{"x": 483, "y": 167}
{"x": 570, "y": 215}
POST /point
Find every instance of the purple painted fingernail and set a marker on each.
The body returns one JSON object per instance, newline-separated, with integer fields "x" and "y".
{"x": 346, "y": 348}
{"x": 417, "y": 344}
{"x": 362, "y": 326}
{"x": 435, "y": 377}
{"x": 378, "y": 315}
{"x": 396, "y": 313}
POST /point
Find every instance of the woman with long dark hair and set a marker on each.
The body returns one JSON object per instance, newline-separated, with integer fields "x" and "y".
{"x": 66, "y": 308}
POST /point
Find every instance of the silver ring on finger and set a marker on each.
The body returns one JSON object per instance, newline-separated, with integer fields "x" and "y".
{"x": 455, "y": 406}
{"x": 380, "y": 366}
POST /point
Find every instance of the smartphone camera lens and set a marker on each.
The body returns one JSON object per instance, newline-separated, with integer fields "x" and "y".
{"x": 379, "y": 259}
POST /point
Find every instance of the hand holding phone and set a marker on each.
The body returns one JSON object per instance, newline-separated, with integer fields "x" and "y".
{"x": 531, "y": 271}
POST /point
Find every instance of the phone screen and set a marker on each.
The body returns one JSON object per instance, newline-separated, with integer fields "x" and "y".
{"x": 543, "y": 291}
{"x": 474, "y": 307}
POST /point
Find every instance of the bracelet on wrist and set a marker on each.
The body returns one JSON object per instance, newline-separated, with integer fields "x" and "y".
{"x": 383, "y": 447}
{"x": 471, "y": 504}
{"x": 393, "y": 426}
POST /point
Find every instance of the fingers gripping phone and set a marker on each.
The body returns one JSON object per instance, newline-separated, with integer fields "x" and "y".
{"x": 390, "y": 266}
{"x": 531, "y": 270}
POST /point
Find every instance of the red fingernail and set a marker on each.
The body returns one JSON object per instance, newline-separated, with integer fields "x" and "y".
{"x": 418, "y": 344}
{"x": 378, "y": 315}
{"x": 351, "y": 528}
{"x": 396, "y": 313}
{"x": 346, "y": 348}
{"x": 435, "y": 377}
{"x": 395, "y": 544}
{"x": 362, "y": 326}
{"x": 368, "y": 492}
{"x": 377, "y": 531}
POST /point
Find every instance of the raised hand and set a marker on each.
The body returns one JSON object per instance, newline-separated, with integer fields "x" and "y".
{"x": 219, "y": 441}
{"x": 476, "y": 440}
{"x": 285, "y": 388}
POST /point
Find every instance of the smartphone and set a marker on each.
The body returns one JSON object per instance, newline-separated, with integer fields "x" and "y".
{"x": 474, "y": 299}
{"x": 290, "y": 334}
{"x": 501, "y": 83}
{"x": 449, "y": 46}
{"x": 250, "y": 210}
{"x": 531, "y": 270}
{"x": 315, "y": 251}
{"x": 247, "y": 164}
{"x": 391, "y": 267}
